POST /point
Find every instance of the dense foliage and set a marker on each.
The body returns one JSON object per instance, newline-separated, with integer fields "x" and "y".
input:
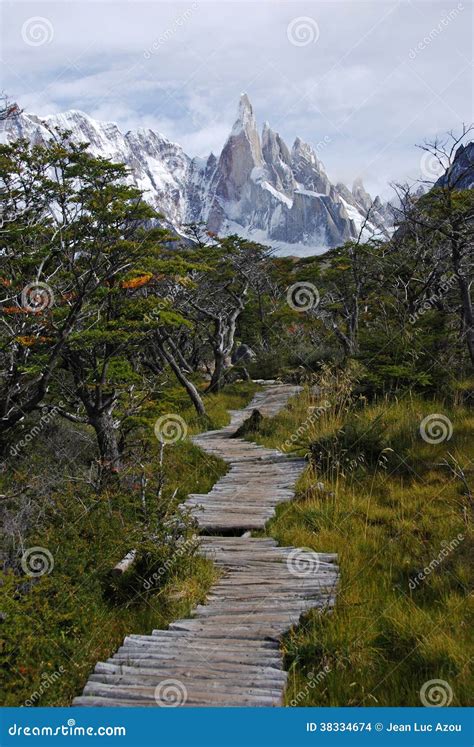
{"x": 117, "y": 339}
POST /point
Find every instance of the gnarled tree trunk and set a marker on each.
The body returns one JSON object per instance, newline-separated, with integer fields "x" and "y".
{"x": 188, "y": 385}
{"x": 106, "y": 433}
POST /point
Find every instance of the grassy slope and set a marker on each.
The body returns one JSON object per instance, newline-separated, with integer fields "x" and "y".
{"x": 386, "y": 522}
{"x": 65, "y": 622}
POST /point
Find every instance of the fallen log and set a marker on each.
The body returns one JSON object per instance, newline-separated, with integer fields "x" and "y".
{"x": 125, "y": 564}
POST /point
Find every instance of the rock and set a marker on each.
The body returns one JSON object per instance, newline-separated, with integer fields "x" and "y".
{"x": 256, "y": 188}
{"x": 250, "y": 425}
{"x": 461, "y": 171}
{"x": 243, "y": 354}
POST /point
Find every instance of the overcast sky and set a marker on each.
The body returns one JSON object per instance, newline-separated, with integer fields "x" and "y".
{"x": 364, "y": 80}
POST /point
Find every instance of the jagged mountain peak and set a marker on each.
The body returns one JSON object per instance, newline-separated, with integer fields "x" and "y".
{"x": 241, "y": 155}
{"x": 360, "y": 194}
{"x": 461, "y": 171}
{"x": 301, "y": 146}
{"x": 271, "y": 135}
{"x": 277, "y": 159}
{"x": 256, "y": 187}
{"x": 245, "y": 120}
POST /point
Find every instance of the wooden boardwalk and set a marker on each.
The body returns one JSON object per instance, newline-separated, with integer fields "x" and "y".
{"x": 228, "y": 653}
{"x": 258, "y": 478}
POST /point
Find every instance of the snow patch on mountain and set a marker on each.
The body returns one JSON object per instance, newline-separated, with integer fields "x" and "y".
{"x": 257, "y": 187}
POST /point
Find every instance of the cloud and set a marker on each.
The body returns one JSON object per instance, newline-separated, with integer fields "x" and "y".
{"x": 179, "y": 67}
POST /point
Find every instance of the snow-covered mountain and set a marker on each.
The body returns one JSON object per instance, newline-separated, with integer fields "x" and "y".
{"x": 257, "y": 187}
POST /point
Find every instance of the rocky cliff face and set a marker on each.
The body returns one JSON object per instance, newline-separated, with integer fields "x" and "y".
{"x": 460, "y": 174}
{"x": 159, "y": 167}
{"x": 257, "y": 187}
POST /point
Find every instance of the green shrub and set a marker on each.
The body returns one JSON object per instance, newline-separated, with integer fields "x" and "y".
{"x": 358, "y": 445}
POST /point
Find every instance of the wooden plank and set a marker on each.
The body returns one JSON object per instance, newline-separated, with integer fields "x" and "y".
{"x": 228, "y": 653}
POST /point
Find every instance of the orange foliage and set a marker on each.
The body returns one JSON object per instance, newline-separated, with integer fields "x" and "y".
{"x": 14, "y": 310}
{"x": 28, "y": 341}
{"x": 138, "y": 281}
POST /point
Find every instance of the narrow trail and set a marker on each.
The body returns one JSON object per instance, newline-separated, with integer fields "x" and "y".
{"x": 228, "y": 653}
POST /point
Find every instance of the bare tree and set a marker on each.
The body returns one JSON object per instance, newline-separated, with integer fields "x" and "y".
{"x": 220, "y": 295}
{"x": 349, "y": 275}
{"x": 439, "y": 225}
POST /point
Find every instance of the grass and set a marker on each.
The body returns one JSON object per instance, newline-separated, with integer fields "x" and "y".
{"x": 389, "y": 517}
{"x": 55, "y": 628}
{"x": 395, "y": 508}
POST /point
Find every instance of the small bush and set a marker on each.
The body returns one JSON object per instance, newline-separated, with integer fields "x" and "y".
{"x": 358, "y": 445}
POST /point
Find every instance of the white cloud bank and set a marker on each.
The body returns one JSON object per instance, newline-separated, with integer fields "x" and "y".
{"x": 369, "y": 78}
